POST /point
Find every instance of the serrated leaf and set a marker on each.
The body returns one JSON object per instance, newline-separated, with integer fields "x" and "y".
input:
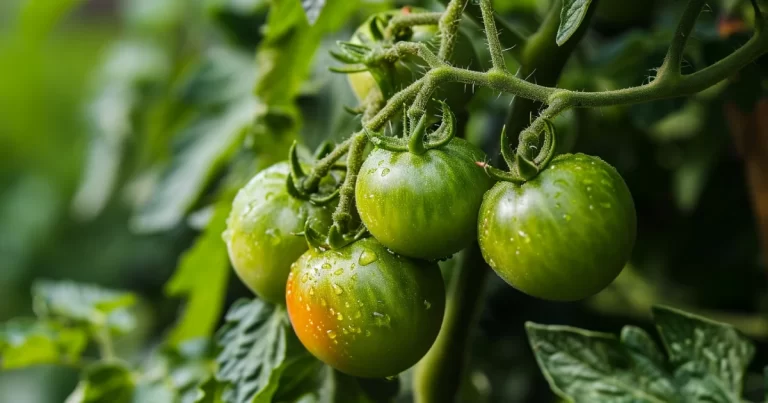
{"x": 701, "y": 348}
{"x": 312, "y": 9}
{"x": 180, "y": 369}
{"x": 254, "y": 344}
{"x": 25, "y": 342}
{"x": 85, "y": 304}
{"x": 105, "y": 383}
{"x": 593, "y": 367}
{"x": 571, "y": 16}
{"x": 201, "y": 150}
{"x": 202, "y": 277}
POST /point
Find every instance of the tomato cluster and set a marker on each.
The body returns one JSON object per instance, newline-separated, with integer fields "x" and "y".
{"x": 373, "y": 306}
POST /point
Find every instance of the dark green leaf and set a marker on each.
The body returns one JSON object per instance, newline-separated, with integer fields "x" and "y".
{"x": 202, "y": 277}
{"x": 596, "y": 367}
{"x": 312, "y": 9}
{"x": 707, "y": 351}
{"x": 254, "y": 344}
{"x": 571, "y": 16}
{"x": 105, "y": 383}
{"x": 25, "y": 342}
{"x": 85, "y": 304}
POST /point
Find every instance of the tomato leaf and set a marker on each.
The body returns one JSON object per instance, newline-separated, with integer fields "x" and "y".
{"x": 598, "y": 367}
{"x": 220, "y": 86}
{"x": 104, "y": 383}
{"x": 705, "y": 360}
{"x": 712, "y": 356}
{"x": 254, "y": 344}
{"x": 178, "y": 370}
{"x": 209, "y": 392}
{"x": 202, "y": 277}
{"x": 571, "y": 16}
{"x": 25, "y": 342}
{"x": 85, "y": 304}
{"x": 312, "y": 9}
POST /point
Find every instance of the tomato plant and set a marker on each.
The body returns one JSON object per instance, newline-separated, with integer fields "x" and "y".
{"x": 592, "y": 168}
{"x": 564, "y": 235}
{"x": 364, "y": 310}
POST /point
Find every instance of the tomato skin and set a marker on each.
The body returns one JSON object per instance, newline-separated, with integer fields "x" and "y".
{"x": 363, "y": 310}
{"x": 423, "y": 206}
{"x": 406, "y": 70}
{"x": 565, "y": 235}
{"x": 261, "y": 230}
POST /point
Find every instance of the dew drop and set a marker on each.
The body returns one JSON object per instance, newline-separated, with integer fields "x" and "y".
{"x": 558, "y": 205}
{"x": 269, "y": 196}
{"x": 589, "y": 188}
{"x": 353, "y": 266}
{"x": 311, "y": 290}
{"x": 382, "y": 319}
{"x": 354, "y": 277}
{"x": 346, "y": 304}
{"x": 274, "y": 236}
{"x": 367, "y": 257}
{"x": 331, "y": 334}
{"x": 339, "y": 271}
{"x": 358, "y": 315}
{"x": 305, "y": 278}
{"x": 323, "y": 302}
{"x": 339, "y": 316}
{"x": 591, "y": 207}
{"x": 517, "y": 252}
{"x": 368, "y": 333}
{"x": 301, "y": 299}
{"x": 326, "y": 266}
{"x": 344, "y": 330}
{"x": 385, "y": 172}
{"x": 336, "y": 289}
{"x": 605, "y": 205}
{"x": 567, "y": 217}
{"x": 427, "y": 304}
{"x": 307, "y": 307}
{"x": 587, "y": 181}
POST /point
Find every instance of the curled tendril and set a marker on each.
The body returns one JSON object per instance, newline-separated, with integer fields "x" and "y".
{"x": 296, "y": 184}
{"x": 522, "y": 167}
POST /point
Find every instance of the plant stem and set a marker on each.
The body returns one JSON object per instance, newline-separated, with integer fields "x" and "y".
{"x": 439, "y": 374}
{"x": 342, "y": 216}
{"x": 104, "y": 340}
{"x": 497, "y": 54}
{"x": 512, "y": 40}
{"x": 449, "y": 27}
{"x": 673, "y": 61}
{"x": 400, "y": 22}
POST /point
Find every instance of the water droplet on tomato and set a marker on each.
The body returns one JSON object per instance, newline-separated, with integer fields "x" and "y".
{"x": 323, "y": 302}
{"x": 326, "y": 266}
{"x": 336, "y": 289}
{"x": 591, "y": 207}
{"x": 368, "y": 333}
{"x": 605, "y": 205}
{"x": 339, "y": 271}
{"x": 367, "y": 257}
{"x": 587, "y": 181}
{"x": 307, "y": 307}
{"x": 304, "y": 278}
{"x": 358, "y": 314}
{"x": 427, "y": 304}
{"x": 311, "y": 290}
{"x": 269, "y": 196}
{"x": 331, "y": 334}
{"x": 567, "y": 217}
{"x": 339, "y": 316}
{"x": 384, "y": 172}
{"x": 381, "y": 319}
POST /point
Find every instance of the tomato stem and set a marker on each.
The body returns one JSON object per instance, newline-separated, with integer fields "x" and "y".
{"x": 439, "y": 374}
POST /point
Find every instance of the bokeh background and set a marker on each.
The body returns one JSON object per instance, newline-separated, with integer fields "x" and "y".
{"x": 99, "y": 97}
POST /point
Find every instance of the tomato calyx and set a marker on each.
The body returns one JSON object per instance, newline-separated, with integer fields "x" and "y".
{"x": 418, "y": 140}
{"x": 296, "y": 183}
{"x": 528, "y": 160}
{"x": 335, "y": 238}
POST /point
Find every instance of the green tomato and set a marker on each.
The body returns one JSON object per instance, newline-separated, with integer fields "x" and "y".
{"x": 406, "y": 71}
{"x": 261, "y": 232}
{"x": 565, "y": 235}
{"x": 363, "y": 310}
{"x": 423, "y": 206}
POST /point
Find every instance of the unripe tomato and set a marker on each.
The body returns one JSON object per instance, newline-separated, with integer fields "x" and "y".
{"x": 406, "y": 71}
{"x": 363, "y": 310}
{"x": 261, "y": 232}
{"x": 564, "y": 235}
{"x": 423, "y": 206}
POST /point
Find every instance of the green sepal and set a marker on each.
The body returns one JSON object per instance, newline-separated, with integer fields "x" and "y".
{"x": 315, "y": 239}
{"x": 293, "y": 190}
{"x": 337, "y": 239}
{"x": 506, "y": 150}
{"x": 323, "y": 149}
{"x": 416, "y": 138}
{"x": 524, "y": 167}
{"x": 447, "y": 130}
{"x": 388, "y": 143}
{"x": 354, "y": 68}
{"x": 297, "y": 172}
{"x": 548, "y": 148}
{"x": 322, "y": 200}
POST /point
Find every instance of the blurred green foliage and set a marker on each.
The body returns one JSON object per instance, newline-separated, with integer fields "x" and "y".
{"x": 125, "y": 126}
